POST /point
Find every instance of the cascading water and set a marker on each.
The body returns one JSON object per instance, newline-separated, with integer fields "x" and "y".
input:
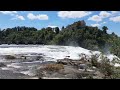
{"x": 48, "y": 52}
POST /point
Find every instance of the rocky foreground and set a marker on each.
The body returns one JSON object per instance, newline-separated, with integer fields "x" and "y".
{"x": 79, "y": 69}
{"x": 66, "y": 68}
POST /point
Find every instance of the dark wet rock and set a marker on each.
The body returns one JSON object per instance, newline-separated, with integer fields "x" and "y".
{"x": 83, "y": 66}
{"x": 64, "y": 61}
{"x": 67, "y": 56}
{"x": 23, "y": 57}
{"x": 9, "y": 57}
{"x": 40, "y": 58}
{"x": 69, "y": 62}
{"x": 40, "y": 54}
{"x": 2, "y": 65}
{"x": 31, "y": 58}
{"x": 33, "y": 53}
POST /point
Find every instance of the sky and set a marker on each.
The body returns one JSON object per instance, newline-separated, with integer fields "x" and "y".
{"x": 40, "y": 19}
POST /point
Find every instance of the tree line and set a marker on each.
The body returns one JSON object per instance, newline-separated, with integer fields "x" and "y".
{"x": 76, "y": 34}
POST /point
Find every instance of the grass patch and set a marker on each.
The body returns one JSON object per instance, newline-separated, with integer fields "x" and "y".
{"x": 54, "y": 67}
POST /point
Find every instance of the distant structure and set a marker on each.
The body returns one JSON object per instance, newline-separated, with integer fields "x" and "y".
{"x": 83, "y": 23}
{"x": 77, "y": 25}
{"x": 80, "y": 23}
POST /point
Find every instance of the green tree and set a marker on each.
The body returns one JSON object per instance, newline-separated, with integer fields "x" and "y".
{"x": 105, "y": 28}
{"x": 57, "y": 30}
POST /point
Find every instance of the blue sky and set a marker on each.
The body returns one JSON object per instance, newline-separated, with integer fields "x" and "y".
{"x": 40, "y": 19}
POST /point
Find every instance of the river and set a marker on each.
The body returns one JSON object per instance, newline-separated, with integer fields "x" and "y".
{"x": 47, "y": 52}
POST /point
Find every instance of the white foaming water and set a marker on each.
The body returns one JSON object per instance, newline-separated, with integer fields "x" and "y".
{"x": 14, "y": 65}
{"x": 51, "y": 52}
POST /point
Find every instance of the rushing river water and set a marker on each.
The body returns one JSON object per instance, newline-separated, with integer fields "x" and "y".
{"x": 48, "y": 52}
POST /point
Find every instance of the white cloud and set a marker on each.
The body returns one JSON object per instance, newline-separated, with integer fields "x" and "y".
{"x": 104, "y": 22}
{"x": 115, "y": 19}
{"x": 104, "y": 14}
{"x": 39, "y": 17}
{"x": 18, "y": 17}
{"x": 13, "y": 13}
{"x": 95, "y": 25}
{"x": 95, "y": 18}
{"x": 113, "y": 12}
{"x": 100, "y": 17}
{"x": 73, "y": 14}
{"x": 109, "y": 31}
{"x": 8, "y": 12}
{"x": 52, "y": 26}
{"x": 31, "y": 16}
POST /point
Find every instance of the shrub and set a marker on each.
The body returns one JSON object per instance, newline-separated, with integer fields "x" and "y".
{"x": 10, "y": 57}
{"x": 39, "y": 74}
{"x": 106, "y": 68}
{"x": 94, "y": 60}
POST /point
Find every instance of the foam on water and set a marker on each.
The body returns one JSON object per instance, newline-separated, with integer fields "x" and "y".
{"x": 50, "y": 52}
{"x": 14, "y": 65}
{"x": 6, "y": 68}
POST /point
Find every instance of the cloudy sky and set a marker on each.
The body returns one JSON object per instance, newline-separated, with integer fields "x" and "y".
{"x": 40, "y": 19}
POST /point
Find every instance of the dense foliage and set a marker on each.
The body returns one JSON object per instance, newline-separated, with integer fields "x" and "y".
{"x": 76, "y": 34}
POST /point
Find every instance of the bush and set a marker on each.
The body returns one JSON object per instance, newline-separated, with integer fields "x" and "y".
{"x": 39, "y": 74}
{"x": 10, "y": 57}
{"x": 106, "y": 68}
{"x": 53, "y": 67}
{"x": 94, "y": 60}
{"x": 116, "y": 74}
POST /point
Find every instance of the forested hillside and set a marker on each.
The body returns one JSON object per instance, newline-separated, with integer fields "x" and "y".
{"x": 76, "y": 34}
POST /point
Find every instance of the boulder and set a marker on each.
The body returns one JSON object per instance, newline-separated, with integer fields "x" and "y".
{"x": 83, "y": 66}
